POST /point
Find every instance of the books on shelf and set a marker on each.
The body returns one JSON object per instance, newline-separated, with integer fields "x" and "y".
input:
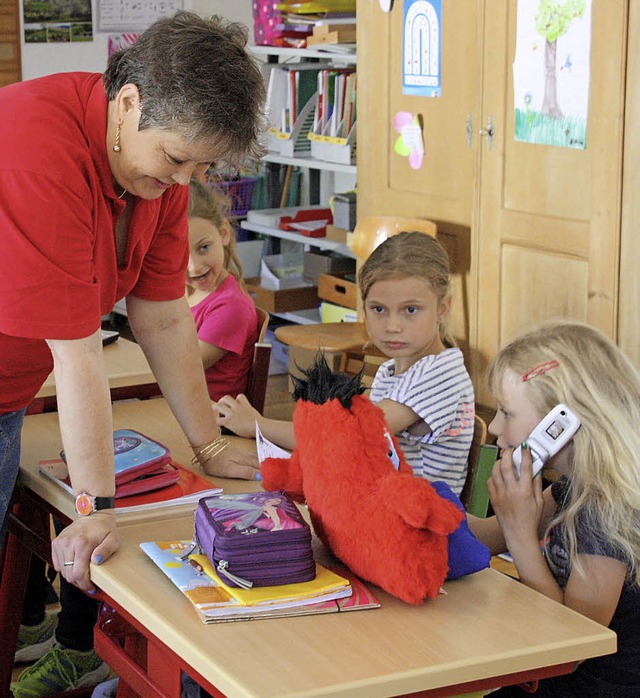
{"x": 188, "y": 489}
{"x": 289, "y": 89}
{"x": 336, "y": 97}
{"x": 193, "y": 574}
{"x": 319, "y": 7}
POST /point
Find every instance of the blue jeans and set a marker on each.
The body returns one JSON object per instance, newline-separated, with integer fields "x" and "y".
{"x": 10, "y": 428}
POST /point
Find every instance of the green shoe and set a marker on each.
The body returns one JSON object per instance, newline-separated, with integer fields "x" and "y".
{"x": 36, "y": 640}
{"x": 60, "y": 670}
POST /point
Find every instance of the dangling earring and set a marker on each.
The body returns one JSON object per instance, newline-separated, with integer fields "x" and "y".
{"x": 116, "y": 145}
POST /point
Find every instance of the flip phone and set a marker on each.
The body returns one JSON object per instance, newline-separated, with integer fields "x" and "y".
{"x": 551, "y": 434}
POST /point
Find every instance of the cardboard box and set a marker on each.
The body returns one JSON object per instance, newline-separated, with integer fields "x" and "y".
{"x": 344, "y": 210}
{"x": 329, "y": 312}
{"x": 338, "y": 289}
{"x": 281, "y": 288}
{"x": 325, "y": 262}
{"x": 341, "y": 36}
{"x": 281, "y": 271}
{"x": 337, "y": 234}
{"x": 286, "y": 299}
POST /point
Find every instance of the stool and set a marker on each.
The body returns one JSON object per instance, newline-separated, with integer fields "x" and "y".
{"x": 328, "y": 336}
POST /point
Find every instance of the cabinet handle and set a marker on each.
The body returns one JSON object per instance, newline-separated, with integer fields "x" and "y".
{"x": 469, "y": 130}
{"x": 488, "y": 132}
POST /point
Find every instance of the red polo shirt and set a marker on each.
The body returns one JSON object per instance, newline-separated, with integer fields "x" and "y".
{"x": 58, "y": 208}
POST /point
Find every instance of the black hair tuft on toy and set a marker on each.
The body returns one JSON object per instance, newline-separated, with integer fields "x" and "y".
{"x": 320, "y": 384}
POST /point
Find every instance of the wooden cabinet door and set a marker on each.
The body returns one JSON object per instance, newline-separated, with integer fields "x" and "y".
{"x": 444, "y": 188}
{"x": 549, "y": 217}
{"x": 10, "y": 60}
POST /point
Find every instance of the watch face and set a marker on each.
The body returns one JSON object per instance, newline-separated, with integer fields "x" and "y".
{"x": 84, "y": 504}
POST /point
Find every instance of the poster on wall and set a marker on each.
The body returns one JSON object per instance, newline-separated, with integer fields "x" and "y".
{"x": 422, "y": 48}
{"x": 119, "y": 41}
{"x": 133, "y": 15}
{"x": 551, "y": 72}
{"x": 57, "y": 21}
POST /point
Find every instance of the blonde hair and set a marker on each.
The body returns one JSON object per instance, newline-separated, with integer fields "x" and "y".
{"x": 410, "y": 254}
{"x": 595, "y": 380}
{"x": 213, "y": 206}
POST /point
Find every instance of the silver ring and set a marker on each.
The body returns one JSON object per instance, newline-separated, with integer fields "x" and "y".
{"x": 68, "y": 564}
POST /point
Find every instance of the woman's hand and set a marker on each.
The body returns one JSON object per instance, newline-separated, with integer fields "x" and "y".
{"x": 88, "y": 539}
{"x": 237, "y": 415}
{"x": 518, "y": 503}
{"x": 233, "y": 462}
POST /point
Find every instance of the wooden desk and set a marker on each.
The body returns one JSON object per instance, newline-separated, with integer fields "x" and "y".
{"x": 36, "y": 498}
{"x": 488, "y": 630}
{"x": 128, "y": 373}
{"x": 487, "y": 626}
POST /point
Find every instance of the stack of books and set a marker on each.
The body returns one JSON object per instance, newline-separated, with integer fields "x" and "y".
{"x": 321, "y": 22}
{"x": 193, "y": 574}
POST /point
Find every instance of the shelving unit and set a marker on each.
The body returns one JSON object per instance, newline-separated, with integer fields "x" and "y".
{"x": 310, "y": 162}
{"x": 346, "y": 55}
{"x": 321, "y": 174}
{"x": 319, "y": 243}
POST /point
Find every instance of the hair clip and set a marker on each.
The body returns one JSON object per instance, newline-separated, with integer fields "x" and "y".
{"x": 539, "y": 370}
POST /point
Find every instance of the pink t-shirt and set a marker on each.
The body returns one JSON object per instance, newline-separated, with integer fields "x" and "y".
{"x": 58, "y": 208}
{"x": 227, "y": 319}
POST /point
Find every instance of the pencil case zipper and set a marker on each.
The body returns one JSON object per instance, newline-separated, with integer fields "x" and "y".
{"x": 241, "y": 579}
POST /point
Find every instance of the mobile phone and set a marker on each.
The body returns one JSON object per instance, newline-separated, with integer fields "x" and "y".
{"x": 109, "y": 336}
{"x": 549, "y": 436}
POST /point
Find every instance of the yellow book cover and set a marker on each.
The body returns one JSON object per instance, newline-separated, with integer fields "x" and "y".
{"x": 324, "y": 583}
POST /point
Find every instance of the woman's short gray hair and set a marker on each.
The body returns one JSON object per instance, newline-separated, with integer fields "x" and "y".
{"x": 194, "y": 75}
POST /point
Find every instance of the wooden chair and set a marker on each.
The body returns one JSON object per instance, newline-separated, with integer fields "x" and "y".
{"x": 370, "y": 231}
{"x": 354, "y": 360}
{"x": 479, "y": 497}
{"x": 482, "y": 456}
{"x": 256, "y": 390}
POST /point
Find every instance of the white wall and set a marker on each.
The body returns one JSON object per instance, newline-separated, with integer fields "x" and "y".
{"x": 44, "y": 59}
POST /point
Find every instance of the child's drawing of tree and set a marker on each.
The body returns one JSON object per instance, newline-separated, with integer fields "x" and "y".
{"x": 553, "y": 20}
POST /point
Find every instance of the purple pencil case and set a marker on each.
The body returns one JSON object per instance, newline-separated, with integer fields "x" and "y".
{"x": 255, "y": 539}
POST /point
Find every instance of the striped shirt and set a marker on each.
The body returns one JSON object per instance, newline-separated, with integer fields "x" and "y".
{"x": 438, "y": 389}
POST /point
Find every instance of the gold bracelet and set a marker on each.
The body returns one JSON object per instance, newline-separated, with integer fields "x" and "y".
{"x": 210, "y": 450}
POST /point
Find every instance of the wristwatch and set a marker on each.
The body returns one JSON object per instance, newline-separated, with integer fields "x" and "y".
{"x": 86, "y": 504}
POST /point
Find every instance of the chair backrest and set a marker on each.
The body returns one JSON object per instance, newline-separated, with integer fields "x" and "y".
{"x": 482, "y": 456}
{"x": 370, "y": 231}
{"x": 478, "y": 504}
{"x": 256, "y": 390}
{"x": 263, "y": 323}
{"x": 354, "y": 360}
{"x": 479, "y": 438}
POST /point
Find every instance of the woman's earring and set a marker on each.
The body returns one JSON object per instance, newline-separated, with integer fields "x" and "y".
{"x": 116, "y": 145}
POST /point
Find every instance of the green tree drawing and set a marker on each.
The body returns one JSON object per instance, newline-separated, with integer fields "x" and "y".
{"x": 553, "y": 19}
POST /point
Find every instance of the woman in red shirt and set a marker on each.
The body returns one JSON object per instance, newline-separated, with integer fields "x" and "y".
{"x": 93, "y": 199}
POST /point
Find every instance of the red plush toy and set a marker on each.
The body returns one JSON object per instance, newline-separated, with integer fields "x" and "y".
{"x": 386, "y": 525}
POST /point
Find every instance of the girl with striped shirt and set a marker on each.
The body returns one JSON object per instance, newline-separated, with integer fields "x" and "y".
{"x": 424, "y": 389}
